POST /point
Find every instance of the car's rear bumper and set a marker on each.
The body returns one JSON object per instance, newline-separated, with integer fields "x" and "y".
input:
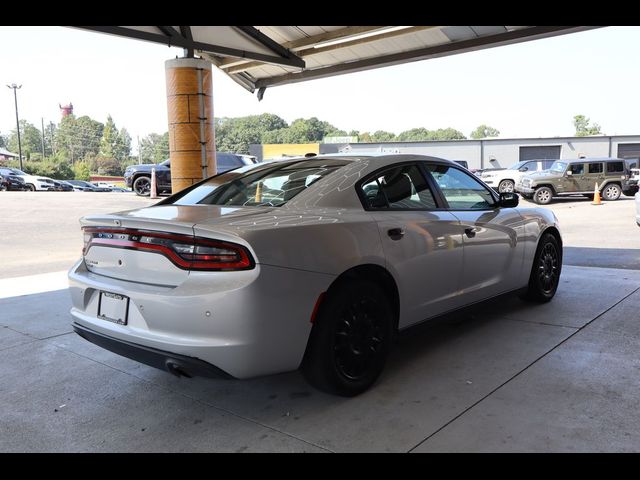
{"x": 245, "y": 323}
{"x": 176, "y": 364}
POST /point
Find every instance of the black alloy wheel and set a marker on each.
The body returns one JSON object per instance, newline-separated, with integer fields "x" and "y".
{"x": 350, "y": 339}
{"x": 546, "y": 269}
{"x": 142, "y": 186}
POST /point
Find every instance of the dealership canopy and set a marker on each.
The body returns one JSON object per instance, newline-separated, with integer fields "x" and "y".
{"x": 260, "y": 57}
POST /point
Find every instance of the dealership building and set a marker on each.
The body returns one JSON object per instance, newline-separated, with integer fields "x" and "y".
{"x": 486, "y": 153}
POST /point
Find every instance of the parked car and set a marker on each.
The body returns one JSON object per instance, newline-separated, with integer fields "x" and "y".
{"x": 62, "y": 186}
{"x": 87, "y": 186}
{"x": 305, "y": 262}
{"x": 11, "y": 182}
{"x": 104, "y": 184}
{"x": 578, "y": 177}
{"x": 32, "y": 182}
{"x": 119, "y": 189}
{"x": 505, "y": 179}
{"x": 138, "y": 177}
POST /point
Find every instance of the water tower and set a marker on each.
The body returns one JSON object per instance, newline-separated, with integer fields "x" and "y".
{"x": 66, "y": 109}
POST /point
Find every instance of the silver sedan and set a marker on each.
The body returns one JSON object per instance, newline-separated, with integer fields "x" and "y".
{"x": 311, "y": 263}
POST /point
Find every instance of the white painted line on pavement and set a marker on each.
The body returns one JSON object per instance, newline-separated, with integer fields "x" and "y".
{"x": 30, "y": 284}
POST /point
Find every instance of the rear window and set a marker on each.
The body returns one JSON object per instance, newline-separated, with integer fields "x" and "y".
{"x": 615, "y": 167}
{"x": 227, "y": 162}
{"x": 264, "y": 185}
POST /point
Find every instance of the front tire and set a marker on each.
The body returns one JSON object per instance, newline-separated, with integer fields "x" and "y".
{"x": 506, "y": 186}
{"x": 611, "y": 192}
{"x": 543, "y": 195}
{"x": 546, "y": 269}
{"x": 142, "y": 186}
{"x": 31, "y": 188}
{"x": 350, "y": 339}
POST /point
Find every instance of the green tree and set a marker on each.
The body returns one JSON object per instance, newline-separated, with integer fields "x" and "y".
{"x": 365, "y": 137}
{"x": 77, "y": 137}
{"x": 484, "y": 131}
{"x": 3, "y": 141}
{"x": 109, "y": 140}
{"x": 422, "y": 134}
{"x": 108, "y": 165}
{"x": 81, "y": 171}
{"x": 154, "y": 148}
{"x": 123, "y": 146}
{"x": 30, "y": 140}
{"x": 583, "y": 129}
{"x": 236, "y": 134}
{"x": 382, "y": 136}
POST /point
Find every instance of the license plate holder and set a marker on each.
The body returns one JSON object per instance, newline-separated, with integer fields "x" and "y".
{"x": 113, "y": 307}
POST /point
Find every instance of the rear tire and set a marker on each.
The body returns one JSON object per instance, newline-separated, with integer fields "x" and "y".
{"x": 611, "y": 192}
{"x": 350, "y": 339}
{"x": 545, "y": 271}
{"x": 543, "y": 195}
{"x": 142, "y": 186}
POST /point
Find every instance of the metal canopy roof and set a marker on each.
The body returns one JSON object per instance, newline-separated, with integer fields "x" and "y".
{"x": 260, "y": 57}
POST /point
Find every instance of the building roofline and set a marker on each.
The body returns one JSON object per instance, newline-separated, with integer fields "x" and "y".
{"x": 499, "y": 139}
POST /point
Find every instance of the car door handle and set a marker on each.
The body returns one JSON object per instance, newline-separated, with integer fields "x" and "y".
{"x": 470, "y": 232}
{"x": 395, "y": 233}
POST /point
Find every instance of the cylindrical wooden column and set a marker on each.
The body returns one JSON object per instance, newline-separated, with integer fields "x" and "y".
{"x": 190, "y": 112}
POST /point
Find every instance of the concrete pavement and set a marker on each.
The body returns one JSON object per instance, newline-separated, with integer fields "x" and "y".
{"x": 510, "y": 376}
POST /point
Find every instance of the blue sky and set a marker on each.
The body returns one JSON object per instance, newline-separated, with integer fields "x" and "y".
{"x": 531, "y": 89}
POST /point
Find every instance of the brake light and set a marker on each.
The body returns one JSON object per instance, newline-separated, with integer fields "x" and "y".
{"x": 184, "y": 251}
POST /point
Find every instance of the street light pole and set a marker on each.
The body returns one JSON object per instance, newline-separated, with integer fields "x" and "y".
{"x": 15, "y": 97}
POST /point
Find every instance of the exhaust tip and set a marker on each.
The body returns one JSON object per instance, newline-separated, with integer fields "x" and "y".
{"x": 174, "y": 368}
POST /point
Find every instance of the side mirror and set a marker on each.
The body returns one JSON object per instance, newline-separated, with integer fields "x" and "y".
{"x": 569, "y": 173}
{"x": 523, "y": 169}
{"x": 509, "y": 199}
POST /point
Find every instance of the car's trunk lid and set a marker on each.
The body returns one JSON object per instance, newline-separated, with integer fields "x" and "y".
{"x": 113, "y": 253}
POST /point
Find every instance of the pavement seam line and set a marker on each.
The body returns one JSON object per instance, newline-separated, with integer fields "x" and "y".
{"x": 540, "y": 323}
{"x": 520, "y": 372}
{"x": 197, "y": 400}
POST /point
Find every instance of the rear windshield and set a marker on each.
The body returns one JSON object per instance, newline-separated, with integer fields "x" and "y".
{"x": 272, "y": 185}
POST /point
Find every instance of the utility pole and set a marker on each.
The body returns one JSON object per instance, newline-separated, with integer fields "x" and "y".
{"x": 42, "y": 124}
{"x": 15, "y": 97}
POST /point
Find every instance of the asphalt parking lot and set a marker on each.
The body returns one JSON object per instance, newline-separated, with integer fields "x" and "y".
{"x": 506, "y": 376}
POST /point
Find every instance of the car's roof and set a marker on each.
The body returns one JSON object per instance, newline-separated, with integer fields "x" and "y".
{"x": 353, "y": 157}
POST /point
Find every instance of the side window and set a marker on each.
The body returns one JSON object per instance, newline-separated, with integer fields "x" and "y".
{"x": 530, "y": 167}
{"x": 546, "y": 164}
{"x": 615, "y": 167}
{"x": 595, "y": 168}
{"x": 577, "y": 168}
{"x": 399, "y": 188}
{"x": 462, "y": 191}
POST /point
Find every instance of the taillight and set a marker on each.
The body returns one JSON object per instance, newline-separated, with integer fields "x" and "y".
{"x": 186, "y": 252}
